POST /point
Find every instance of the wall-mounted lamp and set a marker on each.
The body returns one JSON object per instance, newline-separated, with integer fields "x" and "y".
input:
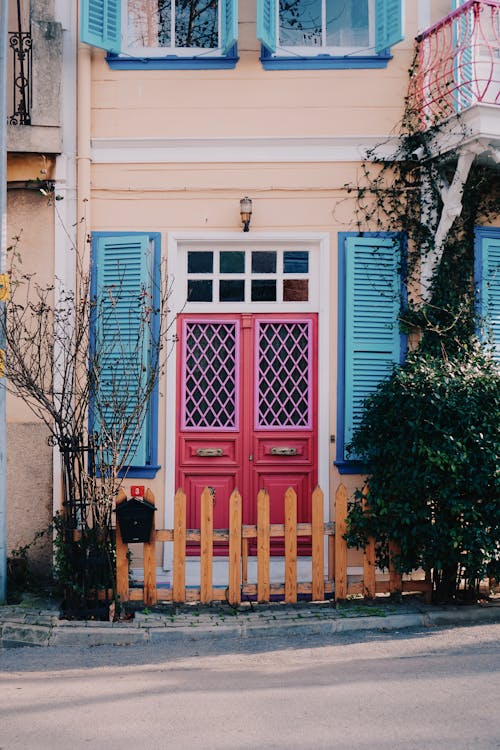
{"x": 246, "y": 212}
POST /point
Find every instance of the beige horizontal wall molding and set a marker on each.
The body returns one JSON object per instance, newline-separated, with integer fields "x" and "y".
{"x": 237, "y": 150}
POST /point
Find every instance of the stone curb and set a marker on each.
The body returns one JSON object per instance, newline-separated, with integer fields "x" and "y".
{"x": 18, "y": 629}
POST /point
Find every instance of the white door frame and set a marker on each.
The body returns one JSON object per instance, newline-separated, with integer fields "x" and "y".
{"x": 177, "y": 242}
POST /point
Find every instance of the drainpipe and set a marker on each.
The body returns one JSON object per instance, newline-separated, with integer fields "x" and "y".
{"x": 83, "y": 149}
{"x": 65, "y": 186}
{"x": 3, "y": 252}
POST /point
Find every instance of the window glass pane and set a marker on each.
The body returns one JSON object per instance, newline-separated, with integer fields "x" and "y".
{"x": 295, "y": 262}
{"x": 295, "y": 290}
{"x": 263, "y": 290}
{"x": 148, "y": 23}
{"x": 263, "y": 262}
{"x": 200, "y": 262}
{"x": 300, "y": 23}
{"x": 199, "y": 291}
{"x": 232, "y": 291}
{"x": 196, "y": 23}
{"x": 232, "y": 262}
{"x": 347, "y": 23}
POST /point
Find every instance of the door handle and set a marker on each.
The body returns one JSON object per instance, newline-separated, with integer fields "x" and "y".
{"x": 209, "y": 452}
{"x": 279, "y": 450}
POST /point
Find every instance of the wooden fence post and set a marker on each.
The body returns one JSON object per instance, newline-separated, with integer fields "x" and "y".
{"x": 340, "y": 543}
{"x": 331, "y": 557}
{"x": 318, "y": 546}
{"x": 263, "y": 547}
{"x": 369, "y": 582}
{"x": 290, "y": 546}
{"x": 206, "y": 546}
{"x": 395, "y": 578}
{"x": 150, "y": 592}
{"x": 235, "y": 519}
{"x": 122, "y": 586}
{"x": 428, "y": 591}
{"x": 179, "y": 578}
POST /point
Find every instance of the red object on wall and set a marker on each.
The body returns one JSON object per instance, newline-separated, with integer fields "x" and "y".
{"x": 137, "y": 490}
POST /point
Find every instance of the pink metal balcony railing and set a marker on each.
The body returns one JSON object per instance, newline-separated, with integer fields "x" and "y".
{"x": 457, "y": 64}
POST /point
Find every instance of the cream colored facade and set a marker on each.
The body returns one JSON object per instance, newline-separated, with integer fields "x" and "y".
{"x": 174, "y": 151}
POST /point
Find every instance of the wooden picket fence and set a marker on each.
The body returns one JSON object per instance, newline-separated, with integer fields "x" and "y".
{"x": 237, "y": 536}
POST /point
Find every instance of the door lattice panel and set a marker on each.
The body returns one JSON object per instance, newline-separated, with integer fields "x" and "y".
{"x": 210, "y": 367}
{"x": 284, "y": 375}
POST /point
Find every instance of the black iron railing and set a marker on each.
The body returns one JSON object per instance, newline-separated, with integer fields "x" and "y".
{"x": 20, "y": 44}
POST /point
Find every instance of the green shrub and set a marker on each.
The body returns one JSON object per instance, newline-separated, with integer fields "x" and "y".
{"x": 430, "y": 435}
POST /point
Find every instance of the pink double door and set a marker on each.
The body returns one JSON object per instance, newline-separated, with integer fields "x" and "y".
{"x": 247, "y": 412}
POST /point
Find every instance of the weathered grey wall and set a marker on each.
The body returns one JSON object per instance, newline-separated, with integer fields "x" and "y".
{"x": 29, "y": 491}
{"x": 29, "y": 457}
{"x": 44, "y": 133}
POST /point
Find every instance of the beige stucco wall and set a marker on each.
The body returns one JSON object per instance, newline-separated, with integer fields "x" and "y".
{"x": 249, "y": 100}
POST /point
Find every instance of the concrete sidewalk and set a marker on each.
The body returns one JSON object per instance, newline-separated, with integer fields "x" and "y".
{"x": 36, "y": 622}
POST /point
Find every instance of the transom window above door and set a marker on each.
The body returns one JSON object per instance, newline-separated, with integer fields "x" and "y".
{"x": 265, "y": 276}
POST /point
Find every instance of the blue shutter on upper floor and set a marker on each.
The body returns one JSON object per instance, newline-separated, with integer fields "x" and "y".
{"x": 229, "y": 24}
{"x": 100, "y": 24}
{"x": 372, "y": 308}
{"x": 488, "y": 282}
{"x": 266, "y": 23}
{"x": 122, "y": 277}
{"x": 388, "y": 23}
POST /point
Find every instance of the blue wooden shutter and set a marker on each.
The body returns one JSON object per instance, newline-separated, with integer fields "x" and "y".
{"x": 229, "y": 24}
{"x": 489, "y": 290}
{"x": 372, "y": 337}
{"x": 388, "y": 23}
{"x": 266, "y": 23}
{"x": 122, "y": 266}
{"x": 100, "y": 24}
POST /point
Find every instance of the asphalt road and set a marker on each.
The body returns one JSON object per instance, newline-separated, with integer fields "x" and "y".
{"x": 425, "y": 689}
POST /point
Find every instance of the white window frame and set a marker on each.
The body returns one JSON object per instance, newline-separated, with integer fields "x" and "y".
{"x": 136, "y": 51}
{"x": 248, "y": 305}
{"x": 324, "y": 49}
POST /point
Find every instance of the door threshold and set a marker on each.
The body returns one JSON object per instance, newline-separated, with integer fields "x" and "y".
{"x": 220, "y": 570}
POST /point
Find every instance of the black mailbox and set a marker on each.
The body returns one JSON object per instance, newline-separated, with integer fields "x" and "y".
{"x": 135, "y": 518}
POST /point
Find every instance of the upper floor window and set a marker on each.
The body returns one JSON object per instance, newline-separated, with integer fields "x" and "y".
{"x": 157, "y": 27}
{"x": 335, "y": 26}
{"x": 328, "y": 33}
{"x": 162, "y": 33}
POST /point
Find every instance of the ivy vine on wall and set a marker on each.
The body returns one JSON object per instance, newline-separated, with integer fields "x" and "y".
{"x": 430, "y": 433}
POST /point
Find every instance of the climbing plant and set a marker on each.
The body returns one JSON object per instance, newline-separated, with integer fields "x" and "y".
{"x": 429, "y": 434}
